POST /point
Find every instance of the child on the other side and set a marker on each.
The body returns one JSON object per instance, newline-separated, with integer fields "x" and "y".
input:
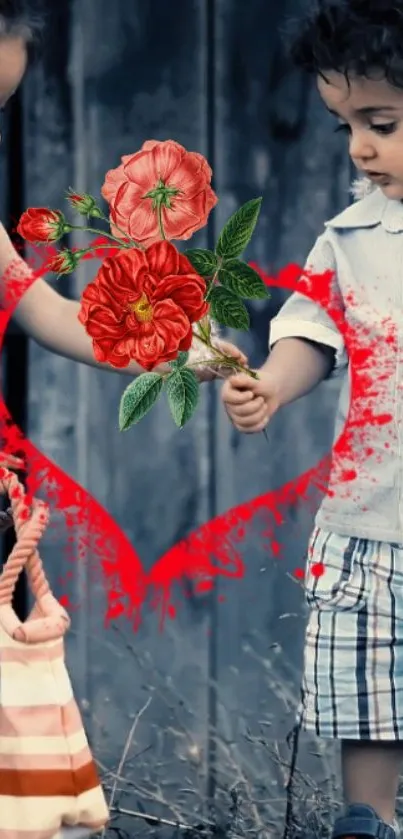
{"x": 353, "y": 677}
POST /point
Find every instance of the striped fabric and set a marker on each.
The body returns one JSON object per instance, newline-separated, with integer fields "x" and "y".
{"x": 48, "y": 780}
{"x": 353, "y": 676}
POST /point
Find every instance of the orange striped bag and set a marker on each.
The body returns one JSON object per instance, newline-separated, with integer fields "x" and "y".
{"x": 48, "y": 780}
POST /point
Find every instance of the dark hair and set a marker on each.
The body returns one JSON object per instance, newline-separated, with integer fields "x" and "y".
{"x": 353, "y": 37}
{"x": 20, "y": 18}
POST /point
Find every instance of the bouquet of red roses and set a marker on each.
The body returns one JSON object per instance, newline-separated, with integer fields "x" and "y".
{"x": 149, "y": 302}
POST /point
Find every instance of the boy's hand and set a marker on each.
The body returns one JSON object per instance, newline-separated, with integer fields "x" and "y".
{"x": 226, "y": 348}
{"x": 250, "y": 403}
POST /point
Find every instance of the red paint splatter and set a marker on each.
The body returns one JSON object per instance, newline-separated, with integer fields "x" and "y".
{"x": 64, "y": 601}
{"x": 347, "y": 475}
{"x": 203, "y": 587}
{"x": 317, "y": 569}
{"x": 215, "y": 549}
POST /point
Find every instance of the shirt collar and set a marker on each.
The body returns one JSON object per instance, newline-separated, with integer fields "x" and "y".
{"x": 370, "y": 211}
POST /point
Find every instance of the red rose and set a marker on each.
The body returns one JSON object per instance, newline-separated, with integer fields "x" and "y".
{"x": 162, "y": 176}
{"x": 141, "y": 306}
{"x": 38, "y": 224}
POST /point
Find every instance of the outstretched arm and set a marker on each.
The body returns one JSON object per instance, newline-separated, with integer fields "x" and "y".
{"x": 47, "y": 317}
{"x": 52, "y": 320}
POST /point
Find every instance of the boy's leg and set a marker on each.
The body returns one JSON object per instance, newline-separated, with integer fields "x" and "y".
{"x": 370, "y": 772}
{"x": 353, "y": 674}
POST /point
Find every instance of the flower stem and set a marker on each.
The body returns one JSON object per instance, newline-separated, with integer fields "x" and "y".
{"x": 209, "y": 363}
{"x": 222, "y": 360}
{"x": 91, "y": 248}
{"x": 160, "y": 224}
{"x": 132, "y": 244}
{"x": 212, "y": 284}
{"x": 101, "y": 233}
{"x": 132, "y": 241}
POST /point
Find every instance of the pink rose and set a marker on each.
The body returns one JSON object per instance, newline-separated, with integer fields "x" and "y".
{"x": 162, "y": 182}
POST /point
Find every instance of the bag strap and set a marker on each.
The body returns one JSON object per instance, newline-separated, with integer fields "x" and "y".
{"x": 48, "y": 620}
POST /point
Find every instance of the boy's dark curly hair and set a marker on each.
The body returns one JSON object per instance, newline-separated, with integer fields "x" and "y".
{"x": 20, "y": 18}
{"x": 353, "y": 37}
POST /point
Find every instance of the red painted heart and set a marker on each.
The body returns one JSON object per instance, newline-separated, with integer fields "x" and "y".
{"x": 214, "y": 549}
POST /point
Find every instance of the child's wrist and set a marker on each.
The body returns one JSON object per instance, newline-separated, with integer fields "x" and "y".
{"x": 273, "y": 384}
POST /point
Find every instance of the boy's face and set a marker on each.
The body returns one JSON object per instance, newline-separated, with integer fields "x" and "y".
{"x": 371, "y": 113}
{"x": 13, "y": 62}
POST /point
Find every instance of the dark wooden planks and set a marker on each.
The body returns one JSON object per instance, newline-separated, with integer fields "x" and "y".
{"x": 129, "y": 76}
{"x": 273, "y": 138}
{"x": 15, "y": 351}
{"x": 113, "y": 75}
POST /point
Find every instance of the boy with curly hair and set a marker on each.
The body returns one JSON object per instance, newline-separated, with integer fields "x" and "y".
{"x": 353, "y": 674}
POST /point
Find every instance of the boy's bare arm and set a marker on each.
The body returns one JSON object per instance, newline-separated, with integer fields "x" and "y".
{"x": 294, "y": 367}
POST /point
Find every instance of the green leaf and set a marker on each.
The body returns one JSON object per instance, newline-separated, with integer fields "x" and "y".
{"x": 138, "y": 398}
{"x": 183, "y": 395}
{"x": 238, "y": 230}
{"x": 228, "y": 309}
{"x": 242, "y": 280}
{"x": 204, "y": 261}
{"x": 180, "y": 361}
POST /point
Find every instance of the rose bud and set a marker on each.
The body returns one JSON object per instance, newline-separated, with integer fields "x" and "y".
{"x": 39, "y": 224}
{"x": 64, "y": 262}
{"x": 84, "y": 204}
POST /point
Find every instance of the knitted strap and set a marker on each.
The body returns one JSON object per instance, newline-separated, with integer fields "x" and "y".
{"x": 48, "y": 620}
{"x": 16, "y": 276}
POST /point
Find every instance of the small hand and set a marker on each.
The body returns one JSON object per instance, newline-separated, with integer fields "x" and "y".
{"x": 250, "y": 403}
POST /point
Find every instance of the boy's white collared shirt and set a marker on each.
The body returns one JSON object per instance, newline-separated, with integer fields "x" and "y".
{"x": 363, "y": 247}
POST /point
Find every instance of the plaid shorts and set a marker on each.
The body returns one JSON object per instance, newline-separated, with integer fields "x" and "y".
{"x": 353, "y": 670}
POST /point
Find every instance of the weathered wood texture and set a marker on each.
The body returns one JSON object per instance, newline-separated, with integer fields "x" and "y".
{"x": 211, "y": 74}
{"x": 15, "y": 353}
{"x": 274, "y": 139}
{"x": 129, "y": 76}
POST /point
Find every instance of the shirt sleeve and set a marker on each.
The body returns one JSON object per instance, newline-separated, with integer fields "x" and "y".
{"x": 301, "y": 317}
